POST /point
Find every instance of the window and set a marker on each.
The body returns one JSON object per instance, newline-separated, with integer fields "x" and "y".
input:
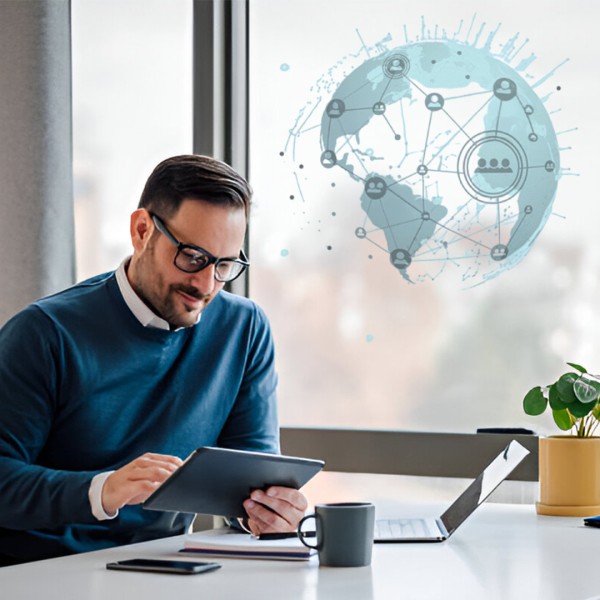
{"x": 493, "y": 307}
{"x": 132, "y": 107}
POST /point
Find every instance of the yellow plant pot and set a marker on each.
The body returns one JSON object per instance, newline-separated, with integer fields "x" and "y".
{"x": 569, "y": 476}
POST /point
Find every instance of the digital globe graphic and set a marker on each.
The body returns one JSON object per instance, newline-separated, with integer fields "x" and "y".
{"x": 454, "y": 156}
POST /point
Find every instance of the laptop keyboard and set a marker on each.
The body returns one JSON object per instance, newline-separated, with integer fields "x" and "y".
{"x": 402, "y": 528}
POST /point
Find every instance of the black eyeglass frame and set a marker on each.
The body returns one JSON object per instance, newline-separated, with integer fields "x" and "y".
{"x": 211, "y": 259}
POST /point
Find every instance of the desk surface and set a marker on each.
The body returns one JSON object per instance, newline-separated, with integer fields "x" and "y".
{"x": 502, "y": 552}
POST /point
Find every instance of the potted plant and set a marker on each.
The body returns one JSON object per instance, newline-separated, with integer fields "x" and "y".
{"x": 569, "y": 464}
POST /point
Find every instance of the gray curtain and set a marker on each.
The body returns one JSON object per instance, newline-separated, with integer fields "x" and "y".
{"x": 36, "y": 181}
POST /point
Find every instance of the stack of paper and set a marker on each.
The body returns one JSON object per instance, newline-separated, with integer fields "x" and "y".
{"x": 230, "y": 543}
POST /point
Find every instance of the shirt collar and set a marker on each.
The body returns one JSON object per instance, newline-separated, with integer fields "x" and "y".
{"x": 136, "y": 305}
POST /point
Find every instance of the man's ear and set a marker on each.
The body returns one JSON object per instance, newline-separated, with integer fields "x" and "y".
{"x": 140, "y": 228}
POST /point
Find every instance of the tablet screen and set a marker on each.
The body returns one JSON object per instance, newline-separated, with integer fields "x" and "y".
{"x": 216, "y": 481}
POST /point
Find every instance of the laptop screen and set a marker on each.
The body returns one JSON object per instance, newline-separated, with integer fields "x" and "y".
{"x": 485, "y": 483}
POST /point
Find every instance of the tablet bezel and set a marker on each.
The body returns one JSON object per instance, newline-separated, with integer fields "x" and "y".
{"x": 216, "y": 481}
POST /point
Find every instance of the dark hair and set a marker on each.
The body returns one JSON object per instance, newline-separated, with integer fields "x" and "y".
{"x": 194, "y": 177}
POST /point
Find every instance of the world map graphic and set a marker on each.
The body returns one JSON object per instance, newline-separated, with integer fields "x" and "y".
{"x": 454, "y": 155}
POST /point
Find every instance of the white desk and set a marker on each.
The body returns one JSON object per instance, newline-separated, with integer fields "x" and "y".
{"x": 503, "y": 552}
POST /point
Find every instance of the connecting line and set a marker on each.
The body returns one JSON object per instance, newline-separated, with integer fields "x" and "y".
{"x": 498, "y": 221}
{"x": 390, "y": 125}
{"x": 514, "y": 231}
{"x": 415, "y": 85}
{"x": 415, "y": 237}
{"x": 526, "y": 115}
{"x": 456, "y": 123}
{"x": 427, "y": 137}
{"x": 464, "y": 236}
{"x": 385, "y": 90}
{"x": 404, "y": 200}
{"x": 389, "y": 226}
{"x": 466, "y": 123}
{"x": 498, "y": 118}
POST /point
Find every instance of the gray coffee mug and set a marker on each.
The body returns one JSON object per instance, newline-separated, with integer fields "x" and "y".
{"x": 344, "y": 533}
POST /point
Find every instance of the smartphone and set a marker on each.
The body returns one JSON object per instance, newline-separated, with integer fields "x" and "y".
{"x": 182, "y": 567}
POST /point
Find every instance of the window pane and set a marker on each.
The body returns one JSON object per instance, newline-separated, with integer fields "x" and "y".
{"x": 132, "y": 107}
{"x": 443, "y": 259}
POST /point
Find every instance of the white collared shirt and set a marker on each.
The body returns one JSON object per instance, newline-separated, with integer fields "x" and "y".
{"x": 148, "y": 319}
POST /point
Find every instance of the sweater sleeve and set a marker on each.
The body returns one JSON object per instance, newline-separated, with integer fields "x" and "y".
{"x": 33, "y": 495}
{"x": 252, "y": 423}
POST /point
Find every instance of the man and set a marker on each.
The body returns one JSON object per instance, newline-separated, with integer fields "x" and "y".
{"x": 106, "y": 386}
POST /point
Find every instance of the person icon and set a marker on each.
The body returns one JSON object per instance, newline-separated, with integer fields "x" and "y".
{"x": 505, "y": 89}
{"x": 328, "y": 159}
{"x": 505, "y": 166}
{"x": 528, "y": 209}
{"x": 434, "y": 101}
{"x": 499, "y": 252}
{"x": 335, "y": 108}
{"x": 375, "y": 188}
{"x": 396, "y": 66}
{"x": 422, "y": 170}
{"x": 360, "y": 232}
{"x": 400, "y": 259}
{"x": 378, "y": 108}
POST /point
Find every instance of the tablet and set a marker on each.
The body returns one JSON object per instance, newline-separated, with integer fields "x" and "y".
{"x": 216, "y": 481}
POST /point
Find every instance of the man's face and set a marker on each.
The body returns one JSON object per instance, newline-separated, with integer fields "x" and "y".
{"x": 176, "y": 296}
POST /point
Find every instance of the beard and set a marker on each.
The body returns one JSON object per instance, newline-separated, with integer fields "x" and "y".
{"x": 165, "y": 300}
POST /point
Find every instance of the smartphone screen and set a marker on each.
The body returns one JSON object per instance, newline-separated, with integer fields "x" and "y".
{"x": 163, "y": 566}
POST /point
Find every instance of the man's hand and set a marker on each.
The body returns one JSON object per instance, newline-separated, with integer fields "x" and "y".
{"x": 286, "y": 506}
{"x": 134, "y": 482}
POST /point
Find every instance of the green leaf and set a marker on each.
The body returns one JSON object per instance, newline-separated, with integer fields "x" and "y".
{"x": 578, "y": 367}
{"x": 586, "y": 388}
{"x": 563, "y": 419}
{"x": 578, "y": 409}
{"x": 596, "y": 411}
{"x": 534, "y": 402}
{"x": 565, "y": 387}
{"x": 555, "y": 400}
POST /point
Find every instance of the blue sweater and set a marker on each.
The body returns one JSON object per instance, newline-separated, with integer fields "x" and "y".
{"x": 85, "y": 388}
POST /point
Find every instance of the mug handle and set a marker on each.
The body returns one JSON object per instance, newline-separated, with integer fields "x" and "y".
{"x": 300, "y": 533}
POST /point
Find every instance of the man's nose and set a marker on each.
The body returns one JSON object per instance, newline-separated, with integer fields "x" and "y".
{"x": 204, "y": 281}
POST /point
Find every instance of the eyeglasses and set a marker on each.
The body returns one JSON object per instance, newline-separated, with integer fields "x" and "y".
{"x": 192, "y": 259}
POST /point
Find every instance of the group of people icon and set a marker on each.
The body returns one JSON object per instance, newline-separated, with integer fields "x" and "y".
{"x": 494, "y": 166}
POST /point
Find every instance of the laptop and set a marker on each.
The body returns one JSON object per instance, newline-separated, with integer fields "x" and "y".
{"x": 441, "y": 528}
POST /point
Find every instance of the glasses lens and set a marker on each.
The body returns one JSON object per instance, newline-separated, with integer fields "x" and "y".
{"x": 226, "y": 270}
{"x": 191, "y": 261}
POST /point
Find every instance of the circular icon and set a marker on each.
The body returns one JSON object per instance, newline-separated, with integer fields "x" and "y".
{"x": 375, "y": 188}
{"x": 499, "y": 252}
{"x": 396, "y": 66}
{"x": 505, "y": 89}
{"x": 422, "y": 170}
{"x": 434, "y": 102}
{"x": 378, "y": 108}
{"x": 533, "y": 137}
{"x": 549, "y": 166}
{"x": 492, "y": 167}
{"x": 425, "y": 216}
{"x": 335, "y": 108}
{"x": 528, "y": 109}
{"x": 400, "y": 258}
{"x": 528, "y": 209}
{"x": 360, "y": 232}
{"x": 328, "y": 159}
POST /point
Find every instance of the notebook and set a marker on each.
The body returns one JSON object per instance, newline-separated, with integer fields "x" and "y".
{"x": 228, "y": 543}
{"x": 441, "y": 528}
